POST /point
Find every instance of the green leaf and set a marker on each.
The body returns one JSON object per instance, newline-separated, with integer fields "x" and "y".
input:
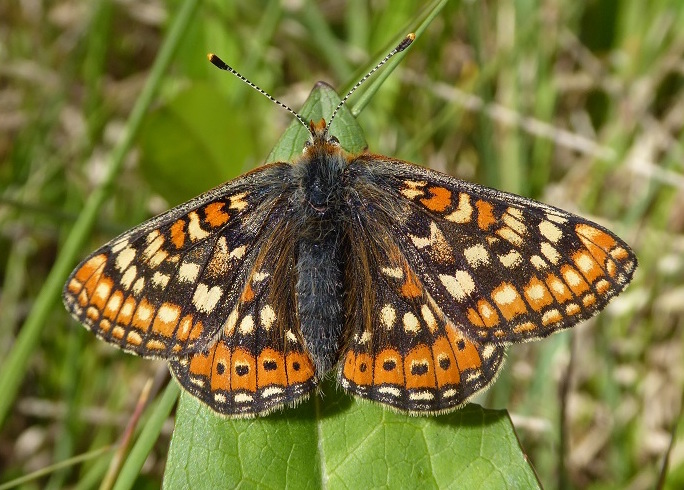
{"x": 332, "y": 439}
{"x": 340, "y": 442}
{"x": 320, "y": 104}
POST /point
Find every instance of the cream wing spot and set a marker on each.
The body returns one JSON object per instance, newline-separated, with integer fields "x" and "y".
{"x": 158, "y": 257}
{"x": 102, "y": 291}
{"x": 511, "y": 259}
{"x": 572, "y": 278}
{"x": 243, "y": 398}
{"x": 464, "y": 211}
{"x": 550, "y": 253}
{"x": 238, "y": 252}
{"x": 535, "y": 292}
{"x": 134, "y": 338}
{"x": 127, "y": 309}
{"x": 510, "y": 236}
{"x": 488, "y": 351}
{"x": 188, "y": 272}
{"x": 160, "y": 280}
{"x": 556, "y": 219}
{"x": 364, "y": 338}
{"x": 238, "y": 201}
{"x": 139, "y": 285}
{"x": 413, "y": 189}
{"x": 195, "y": 231}
{"x": 169, "y": 314}
{"x": 449, "y": 393}
{"x": 153, "y": 247}
{"x": 551, "y": 316}
{"x": 506, "y": 295}
{"x": 124, "y": 258}
{"x": 390, "y": 390}
{"x": 429, "y": 318}
{"x": 247, "y": 325}
{"x": 486, "y": 311}
{"x": 260, "y": 276}
{"x": 572, "y": 309}
{"x": 272, "y": 391}
{"x": 476, "y": 255}
{"x": 460, "y": 285}
{"x": 114, "y": 303}
{"x": 411, "y": 323}
{"x": 144, "y": 312}
{"x": 231, "y": 322}
{"x": 152, "y": 236}
{"x": 205, "y": 298}
{"x": 120, "y": 245}
{"x": 516, "y": 213}
{"x": 439, "y": 248}
{"x": 558, "y": 286}
{"x": 585, "y": 263}
{"x": 394, "y": 272}
{"x": 185, "y": 326}
{"x": 267, "y": 316}
{"x": 538, "y": 262}
{"x": 388, "y": 315}
{"x": 515, "y": 222}
{"x": 421, "y": 395}
{"x": 550, "y": 231}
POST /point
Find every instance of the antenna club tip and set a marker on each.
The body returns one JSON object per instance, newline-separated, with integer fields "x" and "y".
{"x": 216, "y": 61}
{"x": 406, "y": 42}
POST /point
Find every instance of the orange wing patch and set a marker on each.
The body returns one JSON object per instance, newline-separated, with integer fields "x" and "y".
{"x": 233, "y": 382}
{"x": 440, "y": 199}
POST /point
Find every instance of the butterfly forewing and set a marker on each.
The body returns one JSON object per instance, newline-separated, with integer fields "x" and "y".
{"x": 503, "y": 268}
{"x": 164, "y": 289}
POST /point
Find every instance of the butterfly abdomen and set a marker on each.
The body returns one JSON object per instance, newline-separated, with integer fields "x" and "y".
{"x": 319, "y": 299}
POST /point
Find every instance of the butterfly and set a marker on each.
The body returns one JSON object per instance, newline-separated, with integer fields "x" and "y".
{"x": 407, "y": 282}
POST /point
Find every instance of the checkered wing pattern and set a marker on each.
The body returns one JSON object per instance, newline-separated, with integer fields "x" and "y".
{"x": 467, "y": 270}
{"x": 404, "y": 351}
{"x": 161, "y": 289}
{"x": 259, "y": 362}
{"x": 507, "y": 268}
{"x": 195, "y": 286}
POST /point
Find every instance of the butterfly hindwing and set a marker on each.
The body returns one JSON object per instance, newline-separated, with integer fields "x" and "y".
{"x": 504, "y": 268}
{"x": 258, "y": 362}
{"x": 162, "y": 288}
{"x": 402, "y": 350}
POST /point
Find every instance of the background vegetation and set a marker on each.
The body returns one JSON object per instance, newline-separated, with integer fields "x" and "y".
{"x": 578, "y": 104}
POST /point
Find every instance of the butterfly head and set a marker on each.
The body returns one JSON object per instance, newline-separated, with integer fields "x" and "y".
{"x": 320, "y": 135}
{"x": 320, "y": 138}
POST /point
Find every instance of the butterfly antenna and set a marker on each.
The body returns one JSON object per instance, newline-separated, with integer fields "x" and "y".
{"x": 405, "y": 43}
{"x": 219, "y": 63}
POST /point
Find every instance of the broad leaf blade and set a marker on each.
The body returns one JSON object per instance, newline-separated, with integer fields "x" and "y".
{"x": 321, "y": 103}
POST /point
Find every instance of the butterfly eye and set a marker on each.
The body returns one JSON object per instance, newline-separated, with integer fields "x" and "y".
{"x": 334, "y": 140}
{"x": 307, "y": 144}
